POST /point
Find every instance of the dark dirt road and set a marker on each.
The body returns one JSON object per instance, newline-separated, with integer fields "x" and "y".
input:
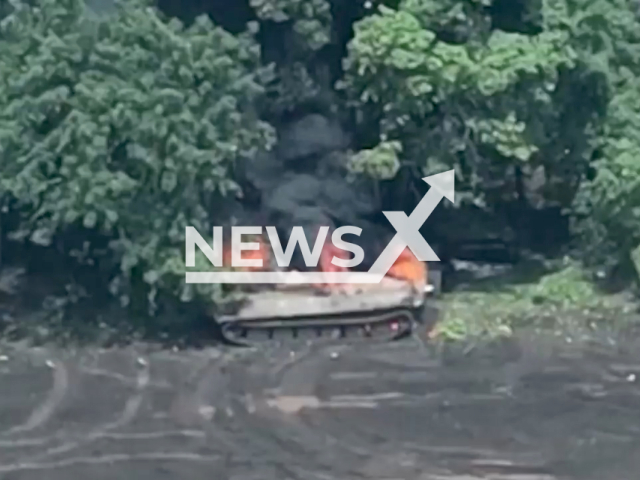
{"x": 549, "y": 411}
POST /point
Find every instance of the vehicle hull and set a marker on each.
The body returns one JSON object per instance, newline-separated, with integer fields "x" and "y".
{"x": 387, "y": 311}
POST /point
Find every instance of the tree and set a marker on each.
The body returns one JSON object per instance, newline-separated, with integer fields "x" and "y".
{"x": 481, "y": 101}
{"x": 607, "y": 35}
{"x": 311, "y": 19}
{"x": 125, "y": 129}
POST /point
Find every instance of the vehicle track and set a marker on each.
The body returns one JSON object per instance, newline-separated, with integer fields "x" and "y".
{"x": 319, "y": 412}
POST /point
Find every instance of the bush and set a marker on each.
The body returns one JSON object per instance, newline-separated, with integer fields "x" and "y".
{"x": 125, "y": 130}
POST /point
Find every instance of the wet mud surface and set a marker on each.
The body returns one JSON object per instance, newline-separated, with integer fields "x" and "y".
{"x": 551, "y": 410}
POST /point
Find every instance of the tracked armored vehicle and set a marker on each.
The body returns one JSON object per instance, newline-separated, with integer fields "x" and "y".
{"x": 385, "y": 311}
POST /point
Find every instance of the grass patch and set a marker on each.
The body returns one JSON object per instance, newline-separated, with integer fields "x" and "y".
{"x": 563, "y": 300}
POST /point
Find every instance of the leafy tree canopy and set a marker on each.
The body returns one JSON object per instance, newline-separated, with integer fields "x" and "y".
{"x": 128, "y": 128}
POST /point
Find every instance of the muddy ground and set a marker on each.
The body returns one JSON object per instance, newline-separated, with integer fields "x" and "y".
{"x": 537, "y": 409}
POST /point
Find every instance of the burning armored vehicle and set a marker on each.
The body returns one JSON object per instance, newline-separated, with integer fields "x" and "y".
{"x": 305, "y": 181}
{"x": 398, "y": 306}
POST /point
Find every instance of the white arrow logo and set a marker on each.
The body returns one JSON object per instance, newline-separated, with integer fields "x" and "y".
{"x": 408, "y": 228}
{"x": 408, "y": 235}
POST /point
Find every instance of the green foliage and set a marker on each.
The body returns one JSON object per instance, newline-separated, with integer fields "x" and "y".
{"x": 292, "y": 86}
{"x": 479, "y": 106}
{"x": 127, "y": 128}
{"x": 507, "y": 136}
{"x": 456, "y": 92}
{"x": 311, "y": 18}
{"x": 564, "y": 299}
{"x": 303, "y": 28}
{"x": 379, "y": 163}
{"x": 568, "y": 287}
{"x": 118, "y": 133}
{"x": 608, "y": 205}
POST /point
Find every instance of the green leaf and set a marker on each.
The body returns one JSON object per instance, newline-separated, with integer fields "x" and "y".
{"x": 169, "y": 181}
{"x": 90, "y": 219}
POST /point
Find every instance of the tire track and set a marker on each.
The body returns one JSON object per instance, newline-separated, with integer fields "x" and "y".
{"x": 131, "y": 408}
{"x": 37, "y": 442}
{"x": 283, "y": 436}
{"x": 418, "y": 419}
{"x": 46, "y": 409}
{"x": 110, "y": 460}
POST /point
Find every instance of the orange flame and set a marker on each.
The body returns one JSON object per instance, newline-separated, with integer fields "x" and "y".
{"x": 329, "y": 250}
{"x": 408, "y": 268}
{"x": 262, "y": 253}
